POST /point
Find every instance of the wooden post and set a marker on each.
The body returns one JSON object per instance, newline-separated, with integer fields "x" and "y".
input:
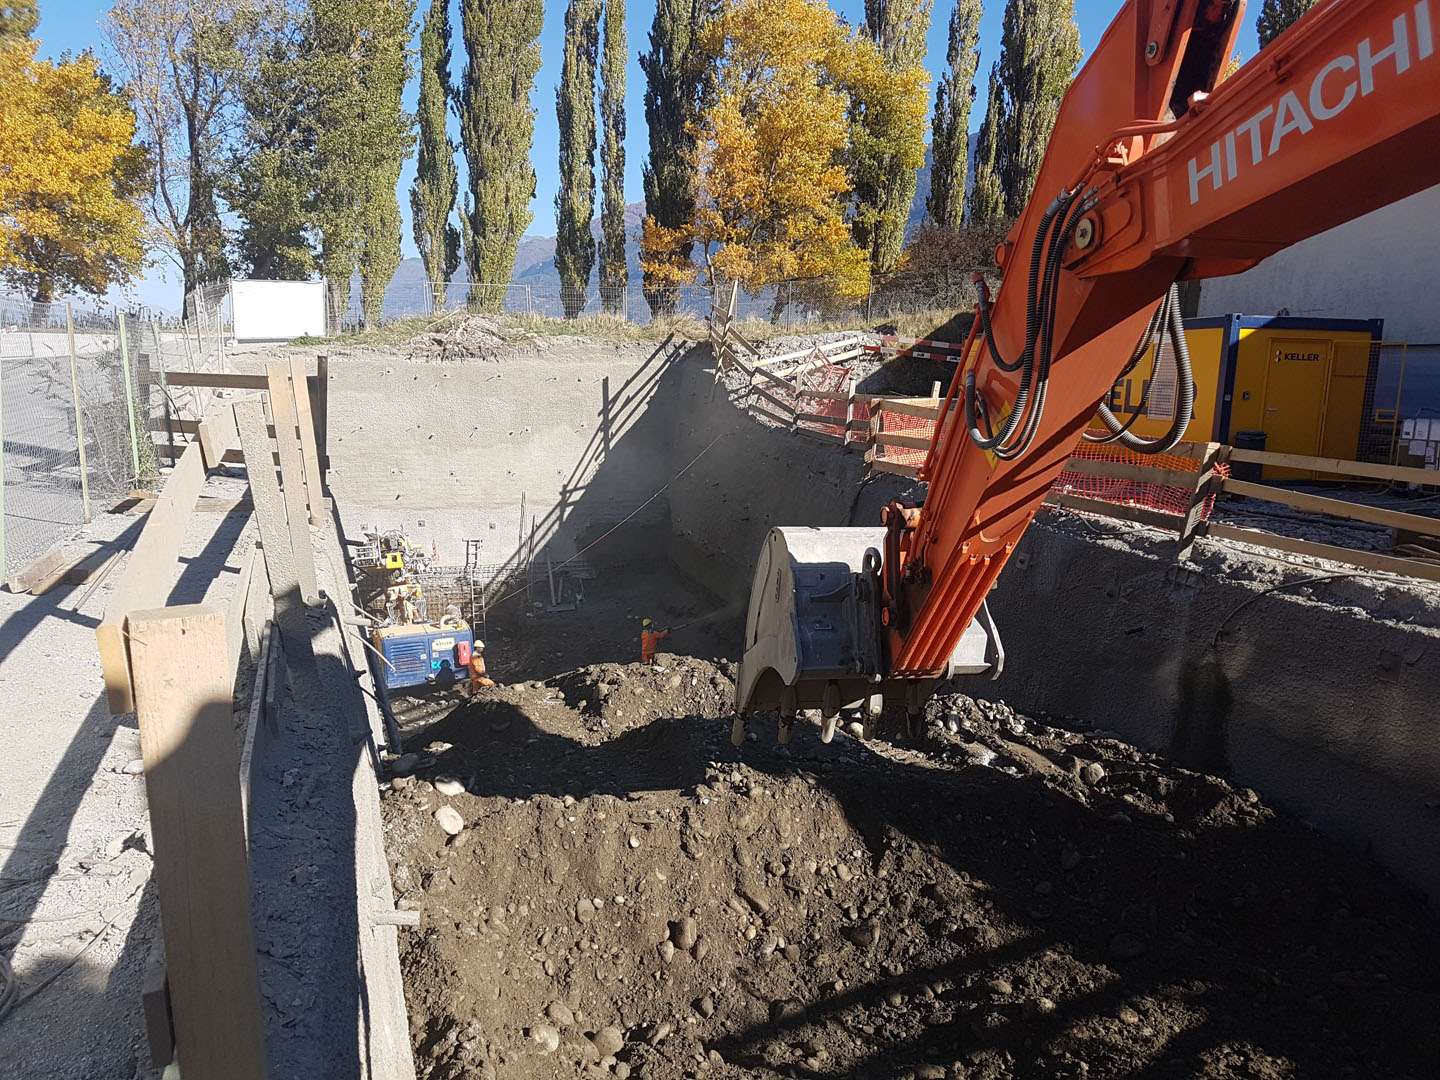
{"x": 292, "y": 478}
{"x": 129, "y": 396}
{"x": 79, "y": 418}
{"x": 183, "y": 699}
{"x": 849, "y": 411}
{"x": 309, "y": 456}
{"x": 1207, "y": 484}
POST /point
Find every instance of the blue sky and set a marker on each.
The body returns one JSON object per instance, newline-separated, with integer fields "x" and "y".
{"x": 72, "y": 25}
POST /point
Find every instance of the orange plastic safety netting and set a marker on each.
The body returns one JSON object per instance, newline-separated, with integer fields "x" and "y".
{"x": 1170, "y": 494}
{"x": 827, "y": 380}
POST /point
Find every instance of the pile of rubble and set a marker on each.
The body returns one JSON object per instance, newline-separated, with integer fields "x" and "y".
{"x": 607, "y": 888}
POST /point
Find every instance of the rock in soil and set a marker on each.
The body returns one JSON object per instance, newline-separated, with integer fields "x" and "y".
{"x": 871, "y": 909}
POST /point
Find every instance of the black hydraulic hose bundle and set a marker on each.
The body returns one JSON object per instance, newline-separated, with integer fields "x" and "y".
{"x": 1020, "y": 427}
{"x": 1166, "y": 322}
{"x": 1057, "y": 226}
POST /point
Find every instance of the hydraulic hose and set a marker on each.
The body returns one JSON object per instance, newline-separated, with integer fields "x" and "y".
{"x": 1173, "y": 327}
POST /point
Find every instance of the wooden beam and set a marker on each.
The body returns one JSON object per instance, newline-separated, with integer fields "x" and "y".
{"x": 155, "y": 1003}
{"x": 772, "y": 399}
{"x": 254, "y": 722}
{"x": 292, "y": 480}
{"x": 309, "y": 457}
{"x": 914, "y": 442}
{"x": 1125, "y": 470}
{"x": 216, "y": 380}
{"x": 1139, "y": 514}
{"x": 1318, "y": 504}
{"x": 150, "y": 570}
{"x": 183, "y": 705}
{"x": 1339, "y": 466}
{"x": 1370, "y": 560}
{"x": 881, "y": 465}
{"x": 928, "y": 411}
{"x": 235, "y": 609}
{"x": 1207, "y": 486}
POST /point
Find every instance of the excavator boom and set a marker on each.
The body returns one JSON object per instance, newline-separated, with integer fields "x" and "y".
{"x": 1159, "y": 169}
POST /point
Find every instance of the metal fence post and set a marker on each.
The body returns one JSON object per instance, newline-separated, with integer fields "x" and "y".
{"x": 4, "y": 566}
{"x": 79, "y": 422}
{"x": 129, "y": 397}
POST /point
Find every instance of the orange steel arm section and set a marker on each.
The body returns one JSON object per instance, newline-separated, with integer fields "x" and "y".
{"x": 1183, "y": 178}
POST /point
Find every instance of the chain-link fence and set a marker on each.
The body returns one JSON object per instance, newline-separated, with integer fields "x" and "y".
{"x": 790, "y": 305}
{"x": 1402, "y": 386}
{"x": 82, "y": 390}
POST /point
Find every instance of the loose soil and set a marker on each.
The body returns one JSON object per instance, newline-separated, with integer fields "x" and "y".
{"x": 632, "y": 896}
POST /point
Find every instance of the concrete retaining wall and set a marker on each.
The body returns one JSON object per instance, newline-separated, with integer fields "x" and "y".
{"x": 577, "y": 431}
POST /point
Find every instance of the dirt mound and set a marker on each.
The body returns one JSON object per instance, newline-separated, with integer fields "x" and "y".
{"x": 631, "y": 896}
{"x": 460, "y": 335}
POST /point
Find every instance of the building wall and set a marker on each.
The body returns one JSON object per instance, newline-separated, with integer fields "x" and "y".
{"x": 1380, "y": 266}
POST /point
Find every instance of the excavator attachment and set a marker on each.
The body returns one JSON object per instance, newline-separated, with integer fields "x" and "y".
{"x": 813, "y": 634}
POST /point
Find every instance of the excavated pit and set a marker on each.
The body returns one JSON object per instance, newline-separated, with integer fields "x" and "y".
{"x": 1005, "y": 897}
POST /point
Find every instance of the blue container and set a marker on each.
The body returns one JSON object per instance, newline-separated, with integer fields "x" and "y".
{"x": 421, "y": 655}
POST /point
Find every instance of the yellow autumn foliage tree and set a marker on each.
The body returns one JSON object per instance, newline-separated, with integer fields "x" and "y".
{"x": 792, "y": 100}
{"x": 69, "y": 176}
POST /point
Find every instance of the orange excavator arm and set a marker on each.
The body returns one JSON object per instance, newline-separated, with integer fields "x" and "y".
{"x": 1157, "y": 171}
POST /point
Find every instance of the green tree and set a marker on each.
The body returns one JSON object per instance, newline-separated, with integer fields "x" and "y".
{"x": 674, "y": 69}
{"x": 1276, "y": 17}
{"x": 497, "y": 124}
{"x": 987, "y": 199}
{"x": 614, "y": 274}
{"x": 950, "y": 126}
{"x": 18, "y": 18}
{"x": 359, "y": 63}
{"x": 885, "y": 185}
{"x": 270, "y": 187}
{"x": 432, "y": 197}
{"x": 1039, "y": 50}
{"x": 575, "y": 117}
{"x": 184, "y": 63}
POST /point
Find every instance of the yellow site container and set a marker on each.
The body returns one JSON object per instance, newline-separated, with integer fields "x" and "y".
{"x": 1301, "y": 381}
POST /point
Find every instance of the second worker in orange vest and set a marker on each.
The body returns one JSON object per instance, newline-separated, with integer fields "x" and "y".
{"x": 650, "y": 639}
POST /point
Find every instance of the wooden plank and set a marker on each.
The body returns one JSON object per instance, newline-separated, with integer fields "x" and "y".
{"x": 253, "y": 726}
{"x": 40, "y": 570}
{"x": 783, "y": 358}
{"x": 1318, "y": 504}
{"x": 319, "y": 385}
{"x": 217, "y": 436}
{"x": 149, "y": 572}
{"x": 292, "y": 481}
{"x": 773, "y": 378}
{"x": 772, "y": 399}
{"x": 258, "y": 607}
{"x": 1368, "y": 559}
{"x": 820, "y": 418}
{"x": 881, "y": 465}
{"x": 235, "y": 610}
{"x": 230, "y": 457}
{"x": 1139, "y": 514}
{"x": 270, "y": 516}
{"x": 215, "y": 380}
{"x": 78, "y": 566}
{"x": 928, "y": 411}
{"x": 1339, "y": 466}
{"x": 914, "y": 442}
{"x": 826, "y": 395}
{"x": 192, "y": 427}
{"x": 183, "y": 704}
{"x": 786, "y": 421}
{"x": 309, "y": 457}
{"x": 1125, "y": 470}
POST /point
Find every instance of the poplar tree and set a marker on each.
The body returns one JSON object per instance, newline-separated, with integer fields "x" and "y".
{"x": 1039, "y": 50}
{"x": 497, "y": 124}
{"x": 18, "y": 18}
{"x": 674, "y": 68}
{"x": 987, "y": 199}
{"x": 575, "y": 117}
{"x": 614, "y": 274}
{"x": 436, "y": 186}
{"x": 950, "y": 126}
{"x": 1276, "y": 17}
{"x": 884, "y": 194}
{"x": 360, "y": 64}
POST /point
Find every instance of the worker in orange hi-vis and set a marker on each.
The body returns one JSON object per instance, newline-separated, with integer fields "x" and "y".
{"x": 478, "y": 678}
{"x": 650, "y": 639}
